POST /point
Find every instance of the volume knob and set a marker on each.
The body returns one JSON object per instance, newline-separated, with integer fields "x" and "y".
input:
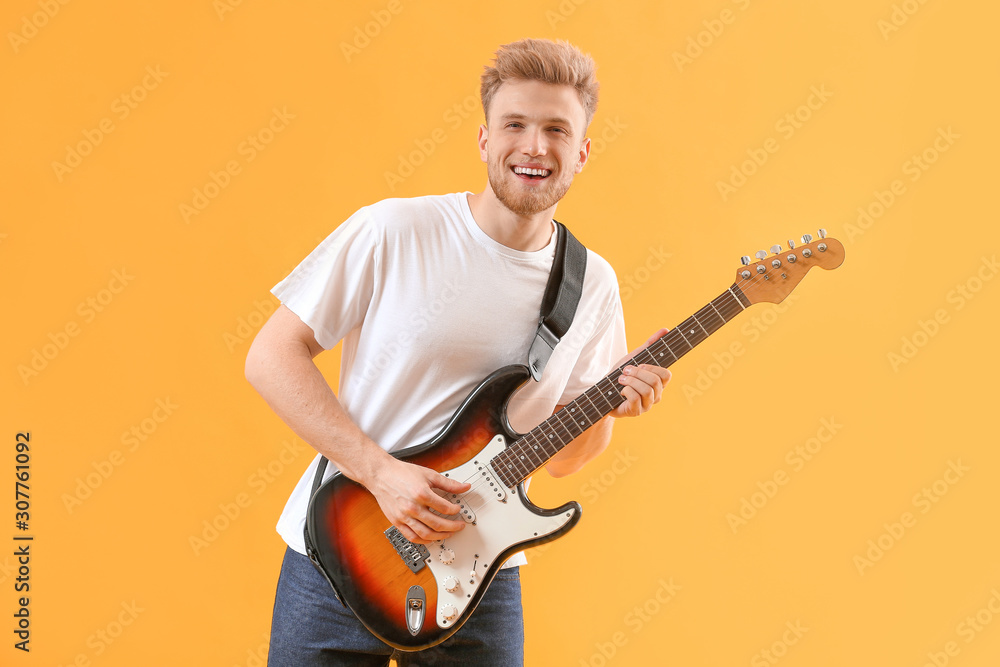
{"x": 447, "y": 556}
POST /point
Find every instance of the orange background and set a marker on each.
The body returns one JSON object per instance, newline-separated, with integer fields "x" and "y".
{"x": 131, "y": 313}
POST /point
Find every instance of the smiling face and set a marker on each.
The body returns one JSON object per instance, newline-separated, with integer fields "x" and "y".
{"x": 533, "y": 144}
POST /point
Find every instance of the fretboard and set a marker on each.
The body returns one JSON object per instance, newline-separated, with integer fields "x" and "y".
{"x": 533, "y": 450}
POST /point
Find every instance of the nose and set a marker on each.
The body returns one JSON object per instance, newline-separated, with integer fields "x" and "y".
{"x": 534, "y": 142}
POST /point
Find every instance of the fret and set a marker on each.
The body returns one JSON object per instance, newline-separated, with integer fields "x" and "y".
{"x": 740, "y": 297}
{"x": 680, "y": 329}
{"x": 715, "y": 309}
{"x": 534, "y": 449}
{"x": 661, "y": 361}
{"x": 532, "y": 454}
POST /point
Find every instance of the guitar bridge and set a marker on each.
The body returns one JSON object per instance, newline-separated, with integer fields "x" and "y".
{"x": 412, "y": 554}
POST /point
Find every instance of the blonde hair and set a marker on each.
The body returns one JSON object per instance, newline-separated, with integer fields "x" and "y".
{"x": 542, "y": 60}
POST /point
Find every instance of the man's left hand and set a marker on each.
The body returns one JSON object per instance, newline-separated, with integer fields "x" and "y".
{"x": 643, "y": 384}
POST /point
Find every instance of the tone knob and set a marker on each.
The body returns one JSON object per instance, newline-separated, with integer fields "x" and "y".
{"x": 447, "y": 556}
{"x": 451, "y": 584}
{"x": 448, "y": 612}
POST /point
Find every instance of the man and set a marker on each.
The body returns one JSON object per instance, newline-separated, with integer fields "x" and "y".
{"x": 430, "y": 295}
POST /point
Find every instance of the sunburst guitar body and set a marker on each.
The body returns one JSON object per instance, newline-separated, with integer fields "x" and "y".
{"x": 415, "y": 596}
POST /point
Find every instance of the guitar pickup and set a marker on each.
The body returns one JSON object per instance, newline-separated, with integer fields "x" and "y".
{"x": 465, "y": 512}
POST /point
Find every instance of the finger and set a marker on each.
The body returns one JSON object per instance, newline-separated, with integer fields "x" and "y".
{"x": 439, "y": 481}
{"x": 644, "y": 382}
{"x": 639, "y": 392}
{"x": 439, "y": 523}
{"x": 427, "y": 532}
{"x": 441, "y": 501}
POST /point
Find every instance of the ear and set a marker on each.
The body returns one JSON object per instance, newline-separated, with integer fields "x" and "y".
{"x": 482, "y": 139}
{"x": 584, "y": 155}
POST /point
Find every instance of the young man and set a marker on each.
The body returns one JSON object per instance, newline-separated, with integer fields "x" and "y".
{"x": 430, "y": 295}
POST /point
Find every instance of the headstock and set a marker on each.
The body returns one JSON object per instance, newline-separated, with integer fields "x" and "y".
{"x": 772, "y": 278}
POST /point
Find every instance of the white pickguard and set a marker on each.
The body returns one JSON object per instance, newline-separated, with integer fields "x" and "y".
{"x": 499, "y": 521}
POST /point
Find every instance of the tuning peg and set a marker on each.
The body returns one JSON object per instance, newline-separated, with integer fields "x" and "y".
{"x": 775, "y": 249}
{"x": 791, "y": 244}
{"x": 760, "y": 254}
{"x": 744, "y": 260}
{"x": 822, "y": 233}
{"x": 806, "y": 238}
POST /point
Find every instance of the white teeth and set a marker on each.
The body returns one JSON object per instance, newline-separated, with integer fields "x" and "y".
{"x": 532, "y": 172}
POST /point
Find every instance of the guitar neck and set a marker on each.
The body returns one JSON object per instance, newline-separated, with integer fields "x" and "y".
{"x": 535, "y": 448}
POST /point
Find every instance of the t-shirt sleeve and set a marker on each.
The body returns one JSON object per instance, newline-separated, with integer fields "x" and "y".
{"x": 331, "y": 289}
{"x": 603, "y": 349}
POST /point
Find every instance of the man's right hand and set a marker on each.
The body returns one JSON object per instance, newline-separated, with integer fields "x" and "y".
{"x": 407, "y": 494}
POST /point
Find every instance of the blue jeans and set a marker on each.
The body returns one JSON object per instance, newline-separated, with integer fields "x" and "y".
{"x": 311, "y": 628}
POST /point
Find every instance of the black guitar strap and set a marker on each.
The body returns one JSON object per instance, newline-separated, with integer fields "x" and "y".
{"x": 562, "y": 295}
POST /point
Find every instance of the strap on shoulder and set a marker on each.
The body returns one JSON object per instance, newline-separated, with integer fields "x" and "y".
{"x": 562, "y": 295}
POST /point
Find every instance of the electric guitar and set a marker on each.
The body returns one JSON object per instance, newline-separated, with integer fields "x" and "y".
{"x": 414, "y": 596}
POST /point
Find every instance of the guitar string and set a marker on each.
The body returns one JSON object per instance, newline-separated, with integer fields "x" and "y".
{"x": 726, "y": 311}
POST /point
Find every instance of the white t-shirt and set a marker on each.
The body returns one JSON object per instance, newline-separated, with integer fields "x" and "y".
{"x": 428, "y": 305}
